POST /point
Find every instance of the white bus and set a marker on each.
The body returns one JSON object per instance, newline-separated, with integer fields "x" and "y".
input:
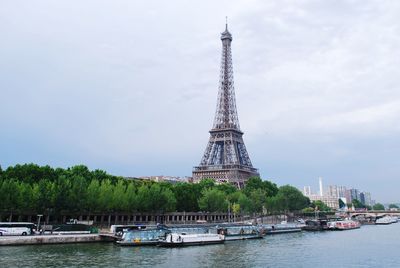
{"x": 16, "y": 228}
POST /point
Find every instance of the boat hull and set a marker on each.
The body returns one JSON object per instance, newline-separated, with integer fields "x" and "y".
{"x": 283, "y": 231}
{"x": 137, "y": 244}
{"x": 314, "y": 228}
{"x": 183, "y": 240}
{"x": 242, "y": 237}
{"x": 186, "y": 244}
{"x": 344, "y": 229}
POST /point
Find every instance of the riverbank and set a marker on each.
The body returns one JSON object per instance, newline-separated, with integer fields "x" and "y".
{"x": 53, "y": 239}
{"x": 108, "y": 237}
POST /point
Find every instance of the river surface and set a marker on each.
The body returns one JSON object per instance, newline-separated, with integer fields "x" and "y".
{"x": 370, "y": 246}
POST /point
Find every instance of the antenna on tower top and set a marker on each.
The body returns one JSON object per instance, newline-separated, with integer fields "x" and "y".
{"x": 226, "y": 23}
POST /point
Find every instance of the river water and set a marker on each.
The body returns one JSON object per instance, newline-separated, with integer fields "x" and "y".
{"x": 370, "y": 246}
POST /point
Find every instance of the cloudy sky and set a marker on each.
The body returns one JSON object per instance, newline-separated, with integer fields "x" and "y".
{"x": 131, "y": 86}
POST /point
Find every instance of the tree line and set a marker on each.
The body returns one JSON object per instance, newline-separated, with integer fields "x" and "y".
{"x": 42, "y": 189}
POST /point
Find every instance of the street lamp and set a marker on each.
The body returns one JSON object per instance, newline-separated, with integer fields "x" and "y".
{"x": 229, "y": 211}
{"x": 38, "y": 226}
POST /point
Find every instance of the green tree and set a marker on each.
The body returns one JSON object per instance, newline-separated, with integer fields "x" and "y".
{"x": 106, "y": 196}
{"x": 308, "y": 210}
{"x": 288, "y": 198}
{"x": 161, "y": 200}
{"x": 243, "y": 202}
{"x": 80, "y": 171}
{"x": 318, "y": 205}
{"x": 213, "y": 200}
{"x": 119, "y": 197}
{"x": 77, "y": 197}
{"x": 30, "y": 173}
{"x": 9, "y": 197}
{"x": 270, "y": 188}
{"x": 393, "y": 206}
{"x": 131, "y": 198}
{"x": 378, "y": 206}
{"x": 357, "y": 203}
{"x": 169, "y": 200}
{"x": 44, "y": 195}
{"x": 155, "y": 199}
{"x": 258, "y": 198}
{"x": 227, "y": 188}
{"x": 255, "y": 183}
{"x": 25, "y": 198}
{"x": 100, "y": 175}
{"x": 144, "y": 198}
{"x": 206, "y": 184}
{"x": 246, "y": 206}
{"x": 42, "y": 188}
{"x": 273, "y": 204}
{"x": 234, "y": 197}
{"x": 235, "y": 210}
{"x": 93, "y": 195}
{"x": 187, "y": 195}
{"x": 62, "y": 193}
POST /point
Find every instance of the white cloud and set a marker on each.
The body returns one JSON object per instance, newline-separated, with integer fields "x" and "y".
{"x": 345, "y": 64}
{"x": 371, "y": 121}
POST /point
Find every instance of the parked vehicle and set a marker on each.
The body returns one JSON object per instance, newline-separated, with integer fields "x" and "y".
{"x": 16, "y": 228}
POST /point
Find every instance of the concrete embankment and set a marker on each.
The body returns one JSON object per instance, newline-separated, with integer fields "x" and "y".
{"x": 53, "y": 239}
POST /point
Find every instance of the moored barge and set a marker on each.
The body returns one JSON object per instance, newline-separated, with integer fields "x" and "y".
{"x": 183, "y": 239}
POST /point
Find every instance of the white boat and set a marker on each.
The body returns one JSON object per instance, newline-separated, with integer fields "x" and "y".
{"x": 240, "y": 232}
{"x": 269, "y": 229}
{"x": 384, "y": 220}
{"x": 142, "y": 237}
{"x": 184, "y": 239}
{"x": 343, "y": 225}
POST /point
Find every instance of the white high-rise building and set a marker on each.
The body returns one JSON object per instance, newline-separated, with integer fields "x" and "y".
{"x": 307, "y": 190}
{"x": 331, "y": 200}
{"x": 367, "y": 199}
{"x": 342, "y": 191}
{"x": 321, "y": 189}
{"x": 333, "y": 191}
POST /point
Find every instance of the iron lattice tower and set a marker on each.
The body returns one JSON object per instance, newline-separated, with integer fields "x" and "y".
{"x": 225, "y": 158}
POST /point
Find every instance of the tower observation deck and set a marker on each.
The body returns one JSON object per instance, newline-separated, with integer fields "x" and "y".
{"x": 225, "y": 158}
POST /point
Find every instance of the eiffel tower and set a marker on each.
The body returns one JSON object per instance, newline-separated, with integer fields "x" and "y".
{"x": 226, "y": 158}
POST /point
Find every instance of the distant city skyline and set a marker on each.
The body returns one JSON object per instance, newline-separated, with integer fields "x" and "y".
{"x": 332, "y": 192}
{"x": 130, "y": 87}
